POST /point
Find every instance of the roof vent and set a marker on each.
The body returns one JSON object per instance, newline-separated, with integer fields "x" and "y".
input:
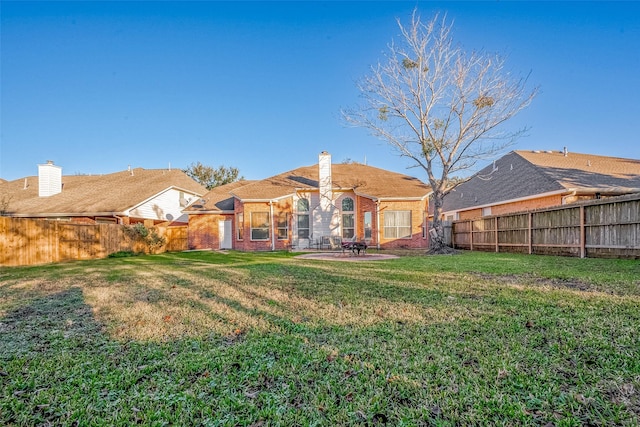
{"x": 565, "y": 152}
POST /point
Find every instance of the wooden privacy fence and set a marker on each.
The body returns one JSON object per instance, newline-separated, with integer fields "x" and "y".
{"x": 608, "y": 228}
{"x": 32, "y": 241}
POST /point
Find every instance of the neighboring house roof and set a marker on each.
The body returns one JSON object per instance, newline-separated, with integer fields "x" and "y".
{"x": 218, "y": 199}
{"x": 365, "y": 180}
{"x": 521, "y": 174}
{"x": 95, "y": 195}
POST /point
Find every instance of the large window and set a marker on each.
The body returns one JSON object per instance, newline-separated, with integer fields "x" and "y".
{"x": 397, "y": 224}
{"x": 348, "y": 221}
{"x": 240, "y": 225}
{"x": 283, "y": 226}
{"x": 259, "y": 225}
{"x": 302, "y": 214}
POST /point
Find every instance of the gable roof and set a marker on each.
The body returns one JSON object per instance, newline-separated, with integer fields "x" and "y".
{"x": 522, "y": 174}
{"x": 95, "y": 194}
{"x": 218, "y": 199}
{"x": 365, "y": 180}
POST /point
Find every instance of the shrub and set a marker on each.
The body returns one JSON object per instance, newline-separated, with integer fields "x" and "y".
{"x": 149, "y": 236}
{"x": 122, "y": 254}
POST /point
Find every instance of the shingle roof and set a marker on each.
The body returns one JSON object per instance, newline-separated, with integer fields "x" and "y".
{"x": 366, "y": 180}
{"x": 92, "y": 194}
{"x": 527, "y": 173}
{"x": 217, "y": 199}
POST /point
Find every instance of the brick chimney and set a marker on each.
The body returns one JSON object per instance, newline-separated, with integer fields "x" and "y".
{"x": 49, "y": 179}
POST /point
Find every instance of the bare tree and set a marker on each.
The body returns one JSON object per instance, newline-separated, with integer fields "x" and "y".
{"x": 211, "y": 177}
{"x": 440, "y": 106}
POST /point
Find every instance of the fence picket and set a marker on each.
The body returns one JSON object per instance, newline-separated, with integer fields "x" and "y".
{"x": 599, "y": 228}
{"x": 26, "y": 241}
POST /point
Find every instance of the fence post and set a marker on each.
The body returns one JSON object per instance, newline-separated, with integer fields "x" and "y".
{"x": 530, "y": 231}
{"x": 583, "y": 243}
{"x": 470, "y": 234}
{"x": 495, "y": 225}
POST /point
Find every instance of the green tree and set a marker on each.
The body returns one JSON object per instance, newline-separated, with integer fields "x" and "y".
{"x": 211, "y": 177}
{"x": 440, "y": 106}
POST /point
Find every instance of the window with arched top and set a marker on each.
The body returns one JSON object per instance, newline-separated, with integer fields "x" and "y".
{"x": 348, "y": 218}
{"x": 302, "y": 218}
{"x": 347, "y": 204}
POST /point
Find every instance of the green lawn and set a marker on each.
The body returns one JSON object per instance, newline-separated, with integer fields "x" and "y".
{"x": 267, "y": 339}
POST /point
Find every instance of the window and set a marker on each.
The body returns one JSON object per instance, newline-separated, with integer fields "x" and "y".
{"x": 348, "y": 219}
{"x": 425, "y": 225}
{"x": 259, "y": 225}
{"x": 240, "y": 225}
{"x": 486, "y": 211}
{"x": 283, "y": 226}
{"x": 347, "y": 204}
{"x": 397, "y": 224}
{"x": 303, "y": 218}
{"x": 367, "y": 225}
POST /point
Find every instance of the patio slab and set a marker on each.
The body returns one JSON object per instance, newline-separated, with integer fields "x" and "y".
{"x": 339, "y": 256}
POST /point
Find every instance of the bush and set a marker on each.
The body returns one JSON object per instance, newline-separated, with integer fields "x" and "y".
{"x": 122, "y": 254}
{"x": 149, "y": 236}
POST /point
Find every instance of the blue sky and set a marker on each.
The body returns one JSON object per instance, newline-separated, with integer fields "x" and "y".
{"x": 99, "y": 86}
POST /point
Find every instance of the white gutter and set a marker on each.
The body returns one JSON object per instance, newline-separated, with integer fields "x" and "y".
{"x": 57, "y": 214}
{"x": 378, "y": 224}
{"x": 209, "y": 212}
{"x": 392, "y": 199}
{"x": 262, "y": 200}
{"x": 273, "y": 241}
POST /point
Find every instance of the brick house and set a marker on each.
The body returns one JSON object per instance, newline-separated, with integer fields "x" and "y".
{"x": 527, "y": 180}
{"x": 313, "y": 206}
{"x": 152, "y": 196}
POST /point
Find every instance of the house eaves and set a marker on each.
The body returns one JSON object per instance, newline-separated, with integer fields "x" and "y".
{"x": 391, "y": 199}
{"x": 217, "y": 212}
{"x": 567, "y": 191}
{"x": 275, "y": 199}
{"x": 59, "y": 214}
{"x": 609, "y": 191}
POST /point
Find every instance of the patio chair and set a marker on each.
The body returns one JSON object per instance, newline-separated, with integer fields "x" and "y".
{"x": 335, "y": 243}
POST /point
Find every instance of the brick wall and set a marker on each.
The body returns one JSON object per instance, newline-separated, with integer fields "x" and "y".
{"x": 526, "y": 205}
{"x": 203, "y": 230}
{"x": 506, "y": 208}
{"x": 418, "y": 209}
{"x": 246, "y": 244}
{"x": 366, "y": 205}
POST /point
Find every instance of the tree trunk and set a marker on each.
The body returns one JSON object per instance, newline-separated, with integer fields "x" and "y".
{"x": 436, "y": 237}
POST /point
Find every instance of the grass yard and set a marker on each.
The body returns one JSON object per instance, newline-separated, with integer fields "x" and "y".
{"x": 243, "y": 339}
